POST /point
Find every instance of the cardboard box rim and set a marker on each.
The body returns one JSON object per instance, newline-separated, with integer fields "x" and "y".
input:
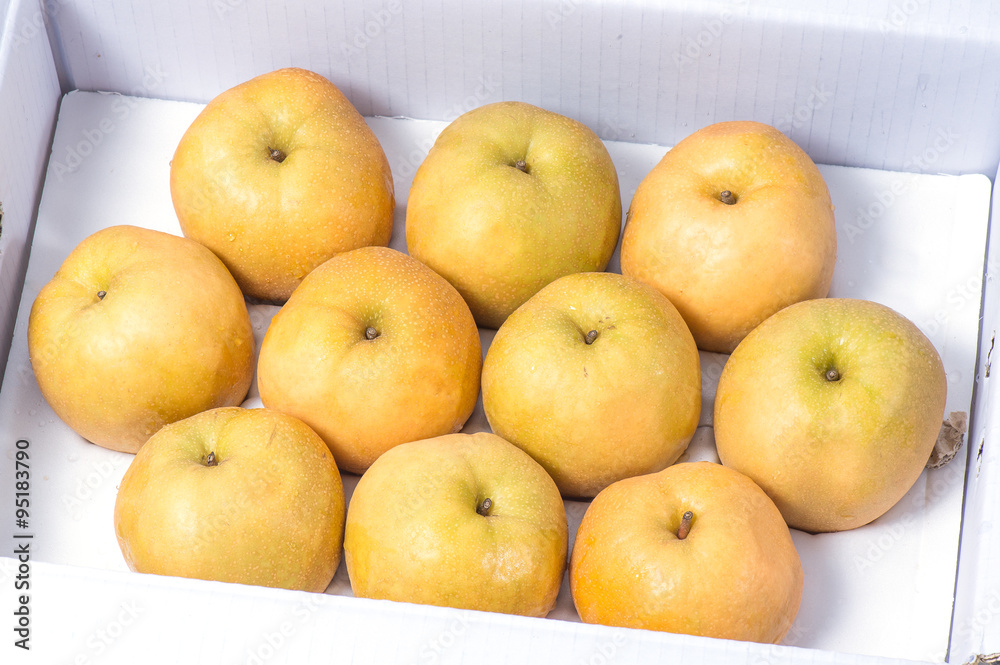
{"x": 30, "y": 55}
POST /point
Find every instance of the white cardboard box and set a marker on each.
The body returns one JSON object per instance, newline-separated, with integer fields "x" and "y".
{"x": 898, "y": 93}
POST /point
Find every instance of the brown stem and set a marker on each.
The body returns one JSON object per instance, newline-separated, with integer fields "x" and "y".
{"x": 371, "y": 333}
{"x": 685, "y": 527}
{"x": 521, "y": 165}
{"x": 727, "y": 197}
{"x": 832, "y": 375}
{"x": 210, "y": 460}
{"x": 484, "y": 508}
{"x": 590, "y": 337}
{"x": 101, "y": 294}
{"x": 276, "y": 154}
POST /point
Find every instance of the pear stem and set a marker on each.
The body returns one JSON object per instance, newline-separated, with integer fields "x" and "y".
{"x": 210, "y": 460}
{"x": 685, "y": 527}
{"x": 101, "y": 294}
{"x": 832, "y": 375}
{"x": 371, "y": 333}
{"x": 521, "y": 165}
{"x": 276, "y": 155}
{"x": 590, "y": 337}
{"x": 727, "y": 197}
{"x": 484, "y": 508}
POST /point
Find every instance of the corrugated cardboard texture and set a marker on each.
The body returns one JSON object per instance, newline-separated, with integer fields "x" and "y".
{"x": 884, "y": 589}
{"x": 894, "y": 84}
{"x": 213, "y": 623}
{"x": 29, "y": 95}
{"x": 976, "y": 621}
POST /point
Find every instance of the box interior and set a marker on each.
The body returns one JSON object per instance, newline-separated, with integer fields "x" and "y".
{"x": 899, "y": 89}
{"x": 110, "y": 165}
{"x": 29, "y": 97}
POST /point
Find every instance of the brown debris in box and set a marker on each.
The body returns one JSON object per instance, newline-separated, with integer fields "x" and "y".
{"x": 985, "y": 660}
{"x": 949, "y": 440}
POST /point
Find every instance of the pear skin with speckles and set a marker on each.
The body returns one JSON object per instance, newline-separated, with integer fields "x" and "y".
{"x": 463, "y": 520}
{"x": 373, "y": 349}
{"x": 277, "y": 175}
{"x": 250, "y": 496}
{"x": 138, "y": 329}
{"x": 734, "y": 223}
{"x": 511, "y": 197}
